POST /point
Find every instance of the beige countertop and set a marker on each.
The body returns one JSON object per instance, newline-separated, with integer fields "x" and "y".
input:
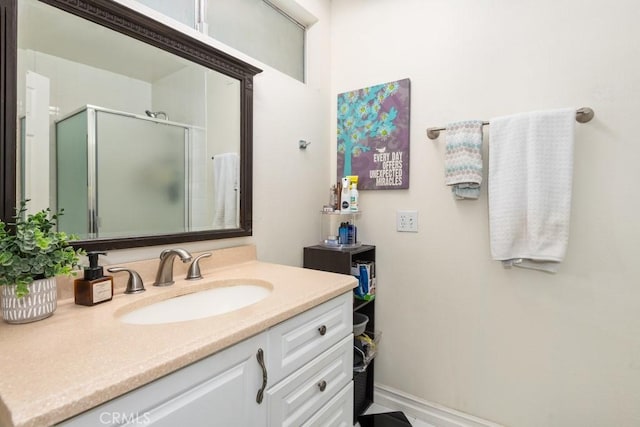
{"x": 80, "y": 357}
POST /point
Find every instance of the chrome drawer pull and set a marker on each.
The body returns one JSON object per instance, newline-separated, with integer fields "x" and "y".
{"x": 322, "y": 329}
{"x": 322, "y": 385}
{"x": 260, "y": 357}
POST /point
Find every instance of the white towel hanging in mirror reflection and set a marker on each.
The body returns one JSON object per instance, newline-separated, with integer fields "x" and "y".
{"x": 226, "y": 175}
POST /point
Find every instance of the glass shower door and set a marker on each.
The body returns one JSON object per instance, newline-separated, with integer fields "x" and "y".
{"x": 141, "y": 164}
{"x": 72, "y": 173}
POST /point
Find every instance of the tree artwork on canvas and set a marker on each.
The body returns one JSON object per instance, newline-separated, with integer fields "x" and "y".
{"x": 373, "y": 135}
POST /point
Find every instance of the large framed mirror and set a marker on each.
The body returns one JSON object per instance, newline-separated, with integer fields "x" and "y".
{"x": 142, "y": 134}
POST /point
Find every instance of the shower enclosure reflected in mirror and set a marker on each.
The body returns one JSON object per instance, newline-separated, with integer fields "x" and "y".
{"x": 163, "y": 175}
{"x": 142, "y": 135}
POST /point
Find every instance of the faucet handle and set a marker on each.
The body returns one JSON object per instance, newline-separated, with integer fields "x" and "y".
{"x": 194, "y": 268}
{"x": 134, "y": 284}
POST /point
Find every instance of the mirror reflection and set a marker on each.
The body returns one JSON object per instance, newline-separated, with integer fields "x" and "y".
{"x": 128, "y": 139}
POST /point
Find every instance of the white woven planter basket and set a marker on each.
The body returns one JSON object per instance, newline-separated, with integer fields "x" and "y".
{"x": 39, "y": 304}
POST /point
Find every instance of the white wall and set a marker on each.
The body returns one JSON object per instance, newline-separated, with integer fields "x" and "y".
{"x": 182, "y": 95}
{"x": 289, "y": 185}
{"x": 518, "y": 347}
{"x": 83, "y": 84}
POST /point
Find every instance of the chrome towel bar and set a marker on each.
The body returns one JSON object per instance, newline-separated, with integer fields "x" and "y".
{"x": 583, "y": 115}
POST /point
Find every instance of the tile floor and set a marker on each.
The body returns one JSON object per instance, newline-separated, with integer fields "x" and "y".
{"x": 376, "y": 409}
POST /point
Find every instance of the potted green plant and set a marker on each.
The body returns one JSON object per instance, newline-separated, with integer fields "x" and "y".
{"x": 32, "y": 254}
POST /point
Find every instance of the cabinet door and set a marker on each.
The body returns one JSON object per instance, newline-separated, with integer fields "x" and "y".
{"x": 226, "y": 397}
{"x": 218, "y": 391}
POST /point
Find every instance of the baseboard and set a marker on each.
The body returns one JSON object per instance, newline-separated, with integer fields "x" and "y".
{"x": 429, "y": 412}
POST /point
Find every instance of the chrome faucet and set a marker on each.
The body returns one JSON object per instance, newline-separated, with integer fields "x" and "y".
{"x": 164, "y": 276}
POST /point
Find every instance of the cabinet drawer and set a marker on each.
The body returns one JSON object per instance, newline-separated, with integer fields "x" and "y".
{"x": 296, "y": 341}
{"x": 337, "y": 413}
{"x": 299, "y": 396}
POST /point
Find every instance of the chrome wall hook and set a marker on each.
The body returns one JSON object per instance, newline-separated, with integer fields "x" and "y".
{"x": 302, "y": 144}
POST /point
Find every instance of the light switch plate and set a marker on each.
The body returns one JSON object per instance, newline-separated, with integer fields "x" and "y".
{"x": 407, "y": 221}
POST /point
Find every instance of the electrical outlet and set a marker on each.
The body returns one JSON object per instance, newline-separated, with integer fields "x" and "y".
{"x": 407, "y": 221}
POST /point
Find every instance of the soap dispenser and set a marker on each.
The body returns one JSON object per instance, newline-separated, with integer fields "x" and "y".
{"x": 95, "y": 287}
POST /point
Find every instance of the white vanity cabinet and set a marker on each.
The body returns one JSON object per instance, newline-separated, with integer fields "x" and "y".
{"x": 218, "y": 391}
{"x": 308, "y": 362}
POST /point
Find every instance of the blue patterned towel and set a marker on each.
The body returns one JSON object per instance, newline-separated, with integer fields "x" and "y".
{"x": 463, "y": 159}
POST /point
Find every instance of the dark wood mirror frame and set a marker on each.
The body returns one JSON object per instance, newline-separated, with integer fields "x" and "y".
{"x": 145, "y": 29}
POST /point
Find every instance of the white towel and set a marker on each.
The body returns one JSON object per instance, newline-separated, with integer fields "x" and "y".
{"x": 463, "y": 159}
{"x": 530, "y": 178}
{"x": 226, "y": 173}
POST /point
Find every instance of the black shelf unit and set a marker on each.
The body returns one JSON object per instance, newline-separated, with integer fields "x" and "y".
{"x": 339, "y": 261}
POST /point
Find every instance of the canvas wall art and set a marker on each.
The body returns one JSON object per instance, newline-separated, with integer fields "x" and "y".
{"x": 373, "y": 135}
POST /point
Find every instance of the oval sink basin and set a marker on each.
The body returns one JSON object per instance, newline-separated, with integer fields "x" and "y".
{"x": 197, "y": 305}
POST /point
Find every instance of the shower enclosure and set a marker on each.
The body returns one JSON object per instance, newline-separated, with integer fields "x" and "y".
{"x": 120, "y": 174}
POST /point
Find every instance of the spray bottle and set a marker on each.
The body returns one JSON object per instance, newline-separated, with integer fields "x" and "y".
{"x": 345, "y": 195}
